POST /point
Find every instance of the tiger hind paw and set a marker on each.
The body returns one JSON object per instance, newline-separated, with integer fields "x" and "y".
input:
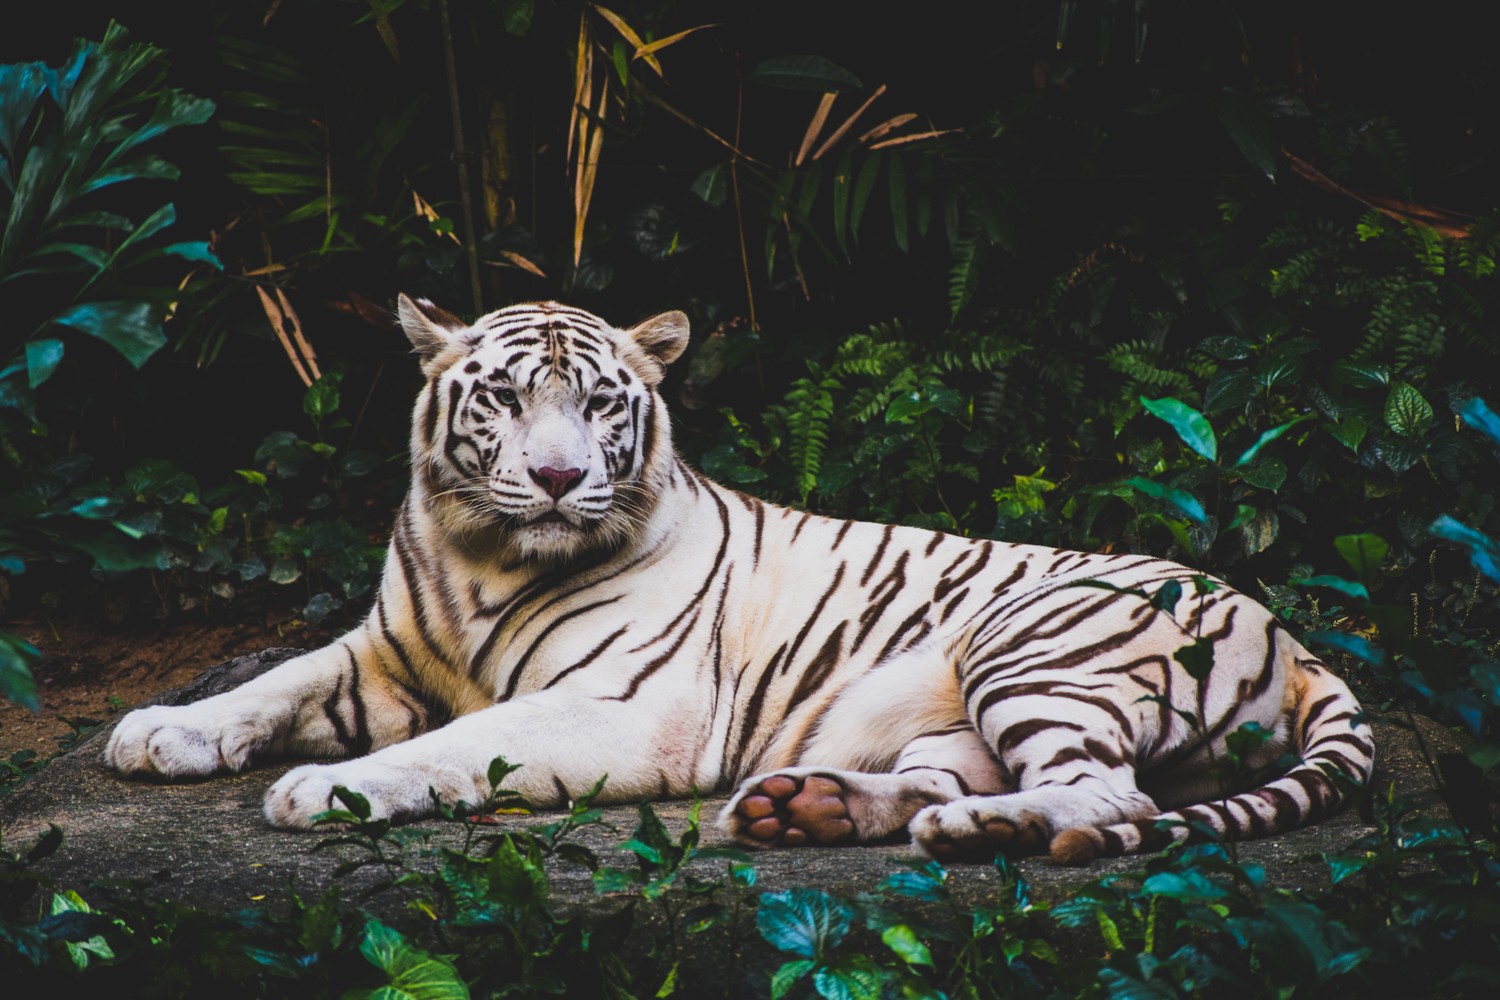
{"x": 790, "y": 810}
{"x": 959, "y": 832}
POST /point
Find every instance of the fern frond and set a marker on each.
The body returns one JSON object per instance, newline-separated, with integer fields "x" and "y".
{"x": 1142, "y": 362}
{"x": 963, "y": 276}
{"x": 809, "y": 412}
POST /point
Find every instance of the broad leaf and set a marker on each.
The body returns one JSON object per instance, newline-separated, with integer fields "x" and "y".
{"x": 1260, "y": 531}
{"x": 132, "y": 328}
{"x": 1349, "y": 588}
{"x": 1185, "y": 502}
{"x": 1356, "y": 646}
{"x": 902, "y": 940}
{"x": 1364, "y": 553}
{"x": 1190, "y": 425}
{"x": 1197, "y": 658}
{"x": 1406, "y": 411}
{"x": 17, "y": 658}
{"x": 42, "y": 358}
{"x": 1247, "y": 125}
{"x": 1484, "y": 551}
{"x": 413, "y": 974}
{"x": 806, "y": 922}
{"x": 1349, "y": 432}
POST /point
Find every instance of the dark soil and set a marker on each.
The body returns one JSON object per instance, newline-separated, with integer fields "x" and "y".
{"x": 91, "y": 671}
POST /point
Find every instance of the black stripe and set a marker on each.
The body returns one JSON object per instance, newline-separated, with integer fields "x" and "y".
{"x": 818, "y": 669}
{"x": 885, "y": 538}
{"x": 552, "y": 626}
{"x": 1023, "y": 731}
{"x": 817, "y": 610}
{"x": 589, "y": 657}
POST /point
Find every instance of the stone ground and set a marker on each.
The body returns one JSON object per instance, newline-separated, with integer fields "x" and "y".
{"x": 205, "y": 844}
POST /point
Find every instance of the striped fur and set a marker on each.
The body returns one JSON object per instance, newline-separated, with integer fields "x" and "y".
{"x": 561, "y": 589}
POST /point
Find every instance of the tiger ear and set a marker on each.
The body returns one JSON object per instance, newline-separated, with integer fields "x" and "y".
{"x": 429, "y": 328}
{"x": 663, "y": 338}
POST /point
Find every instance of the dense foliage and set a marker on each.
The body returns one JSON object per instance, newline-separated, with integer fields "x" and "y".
{"x": 1213, "y": 281}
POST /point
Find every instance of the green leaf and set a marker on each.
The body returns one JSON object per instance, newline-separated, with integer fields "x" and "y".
{"x": 1349, "y": 432}
{"x": 1260, "y": 531}
{"x": 17, "y": 659}
{"x": 1362, "y": 375}
{"x": 197, "y": 250}
{"x": 1227, "y": 347}
{"x": 132, "y": 328}
{"x": 1167, "y": 596}
{"x": 514, "y": 880}
{"x": 1485, "y": 756}
{"x": 1267, "y": 438}
{"x": 1247, "y": 739}
{"x": 1269, "y": 473}
{"x": 1349, "y": 588}
{"x": 806, "y": 922}
{"x": 1406, "y": 411}
{"x": 1248, "y": 126}
{"x": 413, "y": 974}
{"x": 42, "y": 359}
{"x": 1228, "y": 390}
{"x": 1189, "y": 885}
{"x": 711, "y": 185}
{"x": 1242, "y": 513}
{"x": 1108, "y": 930}
{"x": 902, "y": 940}
{"x": 1364, "y": 553}
{"x": 896, "y": 183}
{"x": 784, "y": 978}
{"x": 81, "y": 951}
{"x": 864, "y": 187}
{"x": 842, "y": 187}
{"x": 1197, "y": 658}
{"x": 809, "y": 72}
{"x": 1356, "y": 646}
{"x": 518, "y": 15}
{"x": 907, "y": 406}
{"x": 1484, "y": 551}
{"x": 21, "y": 85}
{"x": 855, "y": 979}
{"x": 322, "y": 397}
{"x": 1185, "y": 502}
{"x": 1190, "y": 425}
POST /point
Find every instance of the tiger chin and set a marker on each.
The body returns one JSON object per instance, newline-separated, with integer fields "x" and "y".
{"x": 562, "y": 590}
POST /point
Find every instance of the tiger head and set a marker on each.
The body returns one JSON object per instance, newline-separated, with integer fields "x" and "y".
{"x": 540, "y": 430}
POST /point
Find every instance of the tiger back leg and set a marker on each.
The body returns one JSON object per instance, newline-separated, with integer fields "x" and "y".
{"x": 814, "y": 806}
{"x": 1072, "y": 757}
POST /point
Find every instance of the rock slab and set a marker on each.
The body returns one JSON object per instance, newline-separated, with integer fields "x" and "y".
{"x": 205, "y": 843}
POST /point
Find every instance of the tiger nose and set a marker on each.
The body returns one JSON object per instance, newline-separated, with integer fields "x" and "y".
{"x": 556, "y": 481}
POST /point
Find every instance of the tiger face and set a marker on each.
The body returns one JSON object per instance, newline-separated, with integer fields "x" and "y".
{"x": 538, "y": 428}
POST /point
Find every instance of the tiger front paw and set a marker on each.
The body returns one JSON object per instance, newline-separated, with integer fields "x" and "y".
{"x": 393, "y": 793}
{"x": 184, "y": 741}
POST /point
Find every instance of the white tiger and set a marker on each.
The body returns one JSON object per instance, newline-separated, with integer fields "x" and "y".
{"x": 561, "y": 589}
